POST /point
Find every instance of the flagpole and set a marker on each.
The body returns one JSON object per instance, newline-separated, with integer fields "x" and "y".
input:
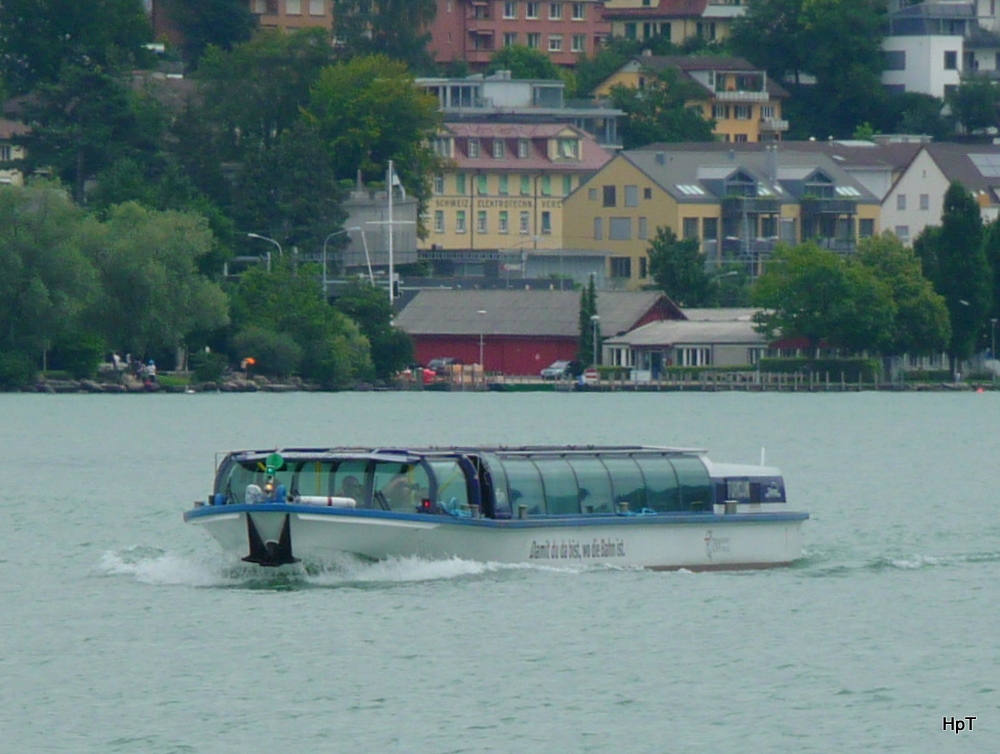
{"x": 392, "y": 281}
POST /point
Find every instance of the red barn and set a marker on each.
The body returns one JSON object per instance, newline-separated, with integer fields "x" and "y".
{"x": 521, "y": 332}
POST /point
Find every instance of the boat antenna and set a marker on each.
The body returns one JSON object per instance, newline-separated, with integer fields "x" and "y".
{"x": 762, "y": 454}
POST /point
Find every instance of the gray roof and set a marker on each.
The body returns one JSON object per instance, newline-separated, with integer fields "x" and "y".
{"x": 685, "y": 164}
{"x": 521, "y": 313}
{"x": 689, "y": 333}
{"x": 964, "y": 163}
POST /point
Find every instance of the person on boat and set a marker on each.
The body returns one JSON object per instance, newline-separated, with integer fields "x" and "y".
{"x": 276, "y": 491}
{"x": 352, "y": 488}
{"x": 398, "y": 491}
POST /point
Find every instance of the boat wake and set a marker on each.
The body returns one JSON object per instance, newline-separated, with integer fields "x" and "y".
{"x": 154, "y": 566}
{"x": 840, "y": 563}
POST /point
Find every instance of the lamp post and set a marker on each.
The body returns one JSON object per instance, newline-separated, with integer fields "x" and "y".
{"x": 595, "y": 320}
{"x": 482, "y": 317}
{"x": 325, "y": 241}
{"x": 269, "y": 240}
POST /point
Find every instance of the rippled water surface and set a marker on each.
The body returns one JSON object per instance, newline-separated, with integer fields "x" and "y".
{"x": 124, "y": 630}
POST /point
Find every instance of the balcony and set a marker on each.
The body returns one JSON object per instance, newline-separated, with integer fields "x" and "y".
{"x": 773, "y": 125}
{"x": 741, "y": 96}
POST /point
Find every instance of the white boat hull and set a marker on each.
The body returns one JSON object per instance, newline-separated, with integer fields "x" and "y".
{"x": 696, "y": 541}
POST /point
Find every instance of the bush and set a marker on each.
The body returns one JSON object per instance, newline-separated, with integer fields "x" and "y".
{"x": 16, "y": 370}
{"x": 208, "y": 367}
{"x": 79, "y": 354}
{"x": 274, "y": 354}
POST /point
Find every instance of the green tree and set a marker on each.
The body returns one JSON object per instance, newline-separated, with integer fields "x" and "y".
{"x": 394, "y": 28}
{"x": 47, "y": 282}
{"x": 588, "y": 309}
{"x": 153, "y": 297}
{"x": 768, "y": 35}
{"x": 678, "y": 268}
{"x": 523, "y": 63}
{"x": 921, "y": 325}
{"x": 811, "y": 293}
{"x": 204, "y": 23}
{"x": 334, "y": 353}
{"x": 82, "y": 124}
{"x": 662, "y": 112}
{"x": 368, "y": 111}
{"x": 40, "y": 38}
{"x": 368, "y": 306}
{"x": 955, "y": 261}
{"x": 974, "y": 103}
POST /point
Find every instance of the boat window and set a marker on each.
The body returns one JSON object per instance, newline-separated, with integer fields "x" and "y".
{"x": 399, "y": 486}
{"x": 594, "y": 482}
{"x": 311, "y": 478}
{"x": 348, "y": 480}
{"x": 525, "y": 484}
{"x": 501, "y": 503}
{"x": 452, "y": 490}
{"x": 661, "y": 483}
{"x": 562, "y": 495}
{"x": 695, "y": 483}
{"x": 627, "y": 482}
{"x": 250, "y": 473}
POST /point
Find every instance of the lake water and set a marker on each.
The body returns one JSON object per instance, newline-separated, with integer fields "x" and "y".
{"x": 125, "y": 630}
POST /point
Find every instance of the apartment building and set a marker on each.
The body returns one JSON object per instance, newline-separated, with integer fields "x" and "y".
{"x": 473, "y": 30}
{"x": 676, "y": 20}
{"x": 744, "y": 101}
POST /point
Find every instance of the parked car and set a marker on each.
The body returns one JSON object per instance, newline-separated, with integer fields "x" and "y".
{"x": 558, "y": 370}
{"x": 441, "y": 364}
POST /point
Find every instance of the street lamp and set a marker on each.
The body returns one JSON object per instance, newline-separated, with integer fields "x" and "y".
{"x": 482, "y": 317}
{"x": 269, "y": 240}
{"x": 325, "y": 241}
{"x": 993, "y": 348}
{"x": 595, "y": 320}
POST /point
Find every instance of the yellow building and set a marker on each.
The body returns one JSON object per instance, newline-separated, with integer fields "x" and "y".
{"x": 505, "y": 185}
{"x": 675, "y": 20}
{"x": 738, "y": 204}
{"x": 742, "y": 100}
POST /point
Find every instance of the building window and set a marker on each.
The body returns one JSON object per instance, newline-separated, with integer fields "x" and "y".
{"x": 631, "y": 196}
{"x": 482, "y": 185}
{"x": 630, "y": 30}
{"x": 555, "y": 11}
{"x": 525, "y": 185}
{"x": 610, "y": 199}
{"x": 509, "y": 38}
{"x": 903, "y": 232}
{"x": 522, "y": 148}
{"x": 555, "y": 42}
{"x": 317, "y": 7}
{"x": 643, "y": 229}
{"x": 742, "y": 112}
{"x": 567, "y": 184}
{"x": 460, "y": 221}
{"x": 546, "y": 222}
{"x": 694, "y": 357}
{"x": 525, "y": 223}
{"x": 647, "y": 193}
{"x": 592, "y": 194}
{"x": 293, "y": 7}
{"x": 866, "y": 227}
{"x": 579, "y": 43}
{"x": 767, "y": 111}
{"x": 720, "y": 112}
{"x": 925, "y": 201}
{"x": 568, "y": 149}
{"x": 534, "y": 40}
{"x": 598, "y": 228}
{"x": 504, "y": 182}
{"x": 710, "y": 228}
{"x": 620, "y": 229}
{"x": 546, "y": 185}
{"x": 460, "y": 183}
{"x": 740, "y": 138}
{"x": 894, "y": 60}
{"x": 690, "y": 229}
{"x": 498, "y": 149}
{"x": 473, "y": 147}
{"x": 951, "y": 60}
{"x": 502, "y": 222}
{"x": 439, "y": 221}
{"x": 579, "y": 11}
{"x": 621, "y": 267}
{"x": 510, "y": 9}
{"x": 900, "y": 201}
{"x": 644, "y": 267}
{"x": 481, "y": 221}
{"x": 532, "y": 10}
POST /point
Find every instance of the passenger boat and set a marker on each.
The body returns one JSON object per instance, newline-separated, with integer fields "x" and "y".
{"x": 629, "y": 506}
